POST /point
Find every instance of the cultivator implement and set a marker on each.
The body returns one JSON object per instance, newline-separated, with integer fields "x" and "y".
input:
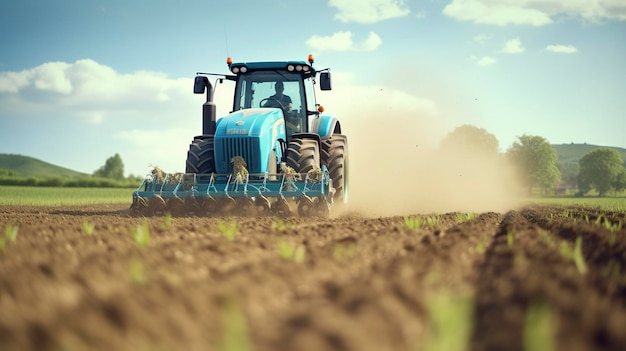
{"x": 229, "y": 194}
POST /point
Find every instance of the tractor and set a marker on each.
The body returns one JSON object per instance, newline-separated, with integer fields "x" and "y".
{"x": 274, "y": 150}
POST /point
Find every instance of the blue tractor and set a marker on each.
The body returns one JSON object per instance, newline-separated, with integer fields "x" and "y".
{"x": 274, "y": 151}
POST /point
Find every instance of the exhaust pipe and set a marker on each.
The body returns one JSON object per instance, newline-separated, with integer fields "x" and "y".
{"x": 209, "y": 109}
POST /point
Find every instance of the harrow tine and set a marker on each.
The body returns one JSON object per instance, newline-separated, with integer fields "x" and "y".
{"x": 281, "y": 207}
{"x": 156, "y": 205}
{"x": 262, "y": 205}
{"x": 176, "y": 206}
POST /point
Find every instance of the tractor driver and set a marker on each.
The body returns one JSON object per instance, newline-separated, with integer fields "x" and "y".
{"x": 279, "y": 99}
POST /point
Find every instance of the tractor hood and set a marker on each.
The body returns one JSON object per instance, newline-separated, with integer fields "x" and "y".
{"x": 250, "y": 123}
{"x": 251, "y": 134}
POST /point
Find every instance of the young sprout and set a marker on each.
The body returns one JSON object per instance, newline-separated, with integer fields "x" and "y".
{"x": 88, "y": 227}
{"x": 415, "y": 223}
{"x": 450, "y": 319}
{"x": 167, "y": 221}
{"x": 291, "y": 251}
{"x": 539, "y": 327}
{"x": 136, "y": 272}
{"x": 482, "y": 244}
{"x": 234, "y": 336}
{"x": 575, "y": 254}
{"x": 344, "y": 250}
{"x": 141, "y": 235}
{"x": 228, "y": 229}
{"x": 279, "y": 225}
{"x": 510, "y": 239}
{"x": 464, "y": 217}
{"x": 10, "y": 232}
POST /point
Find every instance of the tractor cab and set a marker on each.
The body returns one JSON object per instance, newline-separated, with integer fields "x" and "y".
{"x": 287, "y": 85}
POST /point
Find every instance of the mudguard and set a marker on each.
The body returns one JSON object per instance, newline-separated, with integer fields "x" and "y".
{"x": 325, "y": 126}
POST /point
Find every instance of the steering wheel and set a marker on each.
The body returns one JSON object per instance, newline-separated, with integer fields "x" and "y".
{"x": 272, "y": 99}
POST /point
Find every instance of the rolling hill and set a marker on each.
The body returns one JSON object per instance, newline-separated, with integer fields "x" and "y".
{"x": 31, "y": 167}
{"x": 572, "y": 153}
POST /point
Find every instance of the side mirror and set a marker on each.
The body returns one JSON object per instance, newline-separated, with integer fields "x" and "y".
{"x": 199, "y": 84}
{"x": 325, "y": 81}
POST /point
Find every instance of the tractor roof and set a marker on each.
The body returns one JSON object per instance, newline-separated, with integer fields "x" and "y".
{"x": 269, "y": 64}
{"x": 302, "y": 67}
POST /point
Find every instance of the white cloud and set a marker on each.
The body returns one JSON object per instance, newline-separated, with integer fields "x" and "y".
{"x": 487, "y": 12}
{"x": 369, "y": 11}
{"x": 485, "y": 60}
{"x": 342, "y": 41}
{"x": 85, "y": 86}
{"x": 562, "y": 49}
{"x": 533, "y": 12}
{"x": 145, "y": 116}
{"x": 513, "y": 46}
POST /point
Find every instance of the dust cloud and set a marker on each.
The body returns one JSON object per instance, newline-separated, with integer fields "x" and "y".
{"x": 397, "y": 168}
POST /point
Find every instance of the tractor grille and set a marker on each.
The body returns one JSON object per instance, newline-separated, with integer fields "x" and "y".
{"x": 248, "y": 148}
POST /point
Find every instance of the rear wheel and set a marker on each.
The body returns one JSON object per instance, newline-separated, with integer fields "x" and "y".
{"x": 334, "y": 155}
{"x": 200, "y": 157}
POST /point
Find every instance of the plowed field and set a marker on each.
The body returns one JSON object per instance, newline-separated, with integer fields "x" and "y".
{"x": 551, "y": 276}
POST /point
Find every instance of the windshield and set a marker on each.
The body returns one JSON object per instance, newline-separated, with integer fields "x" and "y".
{"x": 254, "y": 87}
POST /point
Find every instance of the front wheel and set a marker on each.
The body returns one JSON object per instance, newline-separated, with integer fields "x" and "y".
{"x": 303, "y": 155}
{"x": 201, "y": 156}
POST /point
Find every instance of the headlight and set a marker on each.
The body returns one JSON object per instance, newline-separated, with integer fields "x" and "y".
{"x": 306, "y": 68}
{"x": 290, "y": 68}
{"x": 298, "y": 68}
{"x": 235, "y": 70}
{"x": 244, "y": 69}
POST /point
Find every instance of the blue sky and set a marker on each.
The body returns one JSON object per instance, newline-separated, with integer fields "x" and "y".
{"x": 83, "y": 80}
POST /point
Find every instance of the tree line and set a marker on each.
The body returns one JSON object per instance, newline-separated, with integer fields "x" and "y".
{"x": 110, "y": 175}
{"x": 535, "y": 159}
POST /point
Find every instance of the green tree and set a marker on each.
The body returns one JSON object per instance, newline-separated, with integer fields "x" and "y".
{"x": 468, "y": 139}
{"x": 620, "y": 182}
{"x": 601, "y": 169}
{"x": 113, "y": 168}
{"x": 535, "y": 159}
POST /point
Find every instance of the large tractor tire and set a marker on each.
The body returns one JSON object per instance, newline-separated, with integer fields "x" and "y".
{"x": 200, "y": 157}
{"x": 303, "y": 155}
{"x": 334, "y": 155}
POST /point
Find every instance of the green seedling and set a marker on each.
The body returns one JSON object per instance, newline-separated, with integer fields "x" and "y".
{"x": 141, "y": 235}
{"x": 464, "y": 217}
{"x": 482, "y": 244}
{"x": 167, "y": 221}
{"x": 579, "y": 259}
{"x": 10, "y": 232}
{"x": 234, "y": 335}
{"x": 510, "y": 239}
{"x": 415, "y": 223}
{"x": 599, "y": 219}
{"x": 575, "y": 254}
{"x": 450, "y": 319}
{"x": 229, "y": 230}
{"x": 280, "y": 226}
{"x": 136, "y": 272}
{"x": 539, "y": 327}
{"x": 88, "y": 227}
{"x": 291, "y": 251}
{"x": 546, "y": 236}
{"x": 344, "y": 250}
